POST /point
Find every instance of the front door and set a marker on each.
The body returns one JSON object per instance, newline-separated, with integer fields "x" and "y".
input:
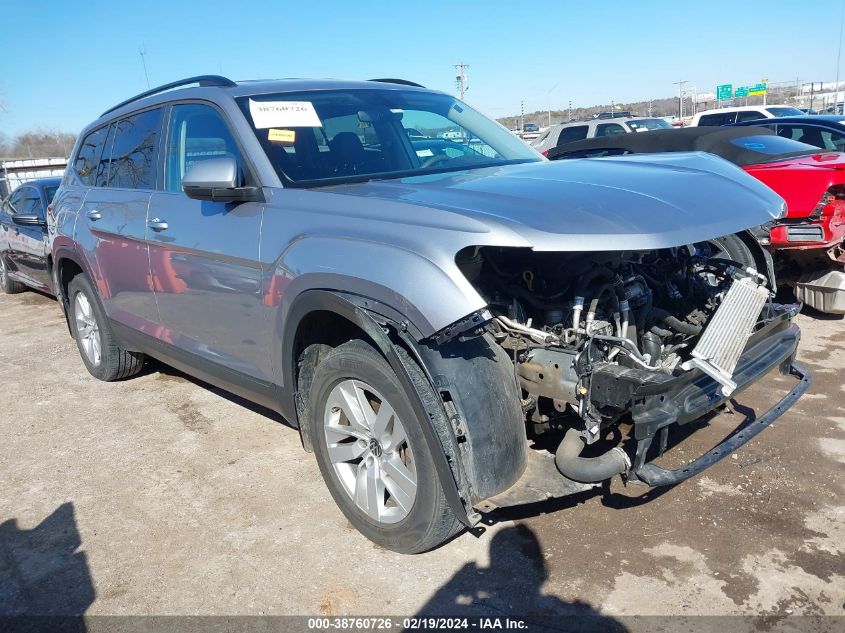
{"x": 28, "y": 244}
{"x": 204, "y": 255}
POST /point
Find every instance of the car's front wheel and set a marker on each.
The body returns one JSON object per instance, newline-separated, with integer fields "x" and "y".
{"x": 9, "y": 285}
{"x": 102, "y": 354}
{"x": 371, "y": 451}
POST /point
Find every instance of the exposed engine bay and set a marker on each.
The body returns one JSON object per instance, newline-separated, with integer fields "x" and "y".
{"x": 563, "y": 316}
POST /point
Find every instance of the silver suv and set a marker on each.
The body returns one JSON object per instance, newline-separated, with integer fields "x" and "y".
{"x": 418, "y": 303}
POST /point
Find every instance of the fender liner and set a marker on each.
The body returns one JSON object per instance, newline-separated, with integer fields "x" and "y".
{"x": 447, "y": 459}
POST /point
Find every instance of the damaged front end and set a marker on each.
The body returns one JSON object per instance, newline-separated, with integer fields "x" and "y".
{"x": 649, "y": 338}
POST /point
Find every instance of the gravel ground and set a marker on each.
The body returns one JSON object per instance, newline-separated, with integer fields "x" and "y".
{"x": 161, "y": 495}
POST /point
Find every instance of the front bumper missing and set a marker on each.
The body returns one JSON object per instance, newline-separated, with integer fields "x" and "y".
{"x": 657, "y": 401}
{"x": 654, "y": 475}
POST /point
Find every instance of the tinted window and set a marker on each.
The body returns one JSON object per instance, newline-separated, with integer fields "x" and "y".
{"x": 102, "y": 176}
{"x": 32, "y": 202}
{"x": 609, "y": 129}
{"x": 132, "y": 162}
{"x": 784, "y": 111}
{"x": 85, "y": 164}
{"x": 749, "y": 116}
{"x": 570, "y": 134}
{"x": 50, "y": 193}
{"x": 197, "y": 133}
{"x": 812, "y": 135}
{"x": 719, "y": 118}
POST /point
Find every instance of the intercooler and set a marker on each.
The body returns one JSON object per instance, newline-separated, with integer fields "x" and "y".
{"x": 720, "y": 346}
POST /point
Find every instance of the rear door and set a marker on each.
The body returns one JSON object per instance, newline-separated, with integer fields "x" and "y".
{"x": 114, "y": 220}
{"x": 204, "y": 256}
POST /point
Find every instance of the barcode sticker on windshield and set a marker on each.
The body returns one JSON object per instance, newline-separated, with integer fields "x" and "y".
{"x": 266, "y": 114}
{"x": 281, "y": 136}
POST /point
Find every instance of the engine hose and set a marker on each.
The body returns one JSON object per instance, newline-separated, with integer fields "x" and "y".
{"x": 588, "y": 469}
{"x": 583, "y": 288}
{"x": 682, "y": 326}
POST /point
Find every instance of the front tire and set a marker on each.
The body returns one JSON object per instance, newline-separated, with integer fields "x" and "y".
{"x": 9, "y": 285}
{"x": 103, "y": 357}
{"x": 372, "y": 453}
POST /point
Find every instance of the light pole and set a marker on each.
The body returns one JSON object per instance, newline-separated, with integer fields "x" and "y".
{"x": 680, "y": 85}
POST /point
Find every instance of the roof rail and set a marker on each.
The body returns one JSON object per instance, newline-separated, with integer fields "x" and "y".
{"x": 202, "y": 80}
{"x": 403, "y": 82}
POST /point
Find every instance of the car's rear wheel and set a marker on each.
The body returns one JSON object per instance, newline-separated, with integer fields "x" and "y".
{"x": 103, "y": 356}
{"x": 9, "y": 285}
{"x": 372, "y": 453}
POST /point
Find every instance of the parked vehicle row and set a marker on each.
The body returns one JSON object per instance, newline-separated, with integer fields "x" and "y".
{"x": 419, "y": 311}
{"x": 808, "y": 239}
{"x": 559, "y": 135}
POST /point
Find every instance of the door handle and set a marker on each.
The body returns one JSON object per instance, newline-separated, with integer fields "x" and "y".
{"x": 157, "y": 224}
{"x": 94, "y": 215}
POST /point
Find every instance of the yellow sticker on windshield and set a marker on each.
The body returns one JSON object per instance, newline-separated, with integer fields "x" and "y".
{"x": 281, "y": 136}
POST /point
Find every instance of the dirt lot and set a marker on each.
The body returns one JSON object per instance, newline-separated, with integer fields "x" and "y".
{"x": 159, "y": 495}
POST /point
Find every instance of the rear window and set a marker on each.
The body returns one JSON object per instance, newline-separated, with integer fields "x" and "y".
{"x": 784, "y": 111}
{"x": 772, "y": 146}
{"x": 570, "y": 134}
{"x": 718, "y": 118}
{"x": 642, "y": 125}
{"x": 85, "y": 164}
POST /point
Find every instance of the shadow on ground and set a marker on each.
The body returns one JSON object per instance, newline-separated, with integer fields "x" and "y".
{"x": 43, "y": 573}
{"x": 510, "y": 587}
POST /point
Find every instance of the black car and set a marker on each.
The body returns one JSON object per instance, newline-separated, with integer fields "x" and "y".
{"x": 826, "y": 131}
{"x": 23, "y": 237}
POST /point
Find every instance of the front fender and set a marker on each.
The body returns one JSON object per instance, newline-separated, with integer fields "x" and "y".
{"x": 429, "y": 295}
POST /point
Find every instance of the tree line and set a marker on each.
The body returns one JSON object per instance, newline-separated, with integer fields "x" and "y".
{"x": 39, "y": 143}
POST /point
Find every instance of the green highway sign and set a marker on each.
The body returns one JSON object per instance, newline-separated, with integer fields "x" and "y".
{"x": 757, "y": 90}
{"x": 725, "y": 91}
{"x": 742, "y": 92}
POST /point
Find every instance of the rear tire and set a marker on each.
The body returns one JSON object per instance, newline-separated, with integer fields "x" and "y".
{"x": 377, "y": 468}
{"x": 103, "y": 357}
{"x": 9, "y": 285}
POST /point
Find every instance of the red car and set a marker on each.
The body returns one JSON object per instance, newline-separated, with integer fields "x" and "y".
{"x": 808, "y": 240}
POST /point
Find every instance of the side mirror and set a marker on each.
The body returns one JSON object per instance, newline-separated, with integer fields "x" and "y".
{"x": 29, "y": 219}
{"x": 218, "y": 179}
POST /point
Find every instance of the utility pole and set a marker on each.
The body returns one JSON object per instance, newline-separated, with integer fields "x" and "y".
{"x": 570, "y": 112}
{"x": 521, "y": 115}
{"x": 649, "y": 107}
{"x": 462, "y": 79}
{"x": 839, "y": 57}
{"x": 680, "y": 85}
{"x": 142, "y": 52}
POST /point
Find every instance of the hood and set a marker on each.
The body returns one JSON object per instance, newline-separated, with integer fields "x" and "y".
{"x": 630, "y": 202}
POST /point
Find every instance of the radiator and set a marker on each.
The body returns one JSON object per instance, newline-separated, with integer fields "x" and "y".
{"x": 720, "y": 346}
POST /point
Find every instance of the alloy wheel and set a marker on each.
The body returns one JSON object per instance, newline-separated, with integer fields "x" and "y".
{"x": 369, "y": 451}
{"x": 87, "y": 329}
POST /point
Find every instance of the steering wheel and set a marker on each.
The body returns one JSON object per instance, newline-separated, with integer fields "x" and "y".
{"x": 434, "y": 160}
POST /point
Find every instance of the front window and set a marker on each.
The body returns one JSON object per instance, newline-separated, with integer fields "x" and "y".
{"x": 327, "y": 137}
{"x": 643, "y": 125}
{"x": 784, "y": 111}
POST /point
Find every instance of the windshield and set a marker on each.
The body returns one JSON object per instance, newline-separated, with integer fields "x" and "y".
{"x": 50, "y": 192}
{"x": 328, "y": 137}
{"x": 784, "y": 111}
{"x": 643, "y": 125}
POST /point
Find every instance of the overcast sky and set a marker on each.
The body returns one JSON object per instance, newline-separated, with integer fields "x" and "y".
{"x": 63, "y": 63}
